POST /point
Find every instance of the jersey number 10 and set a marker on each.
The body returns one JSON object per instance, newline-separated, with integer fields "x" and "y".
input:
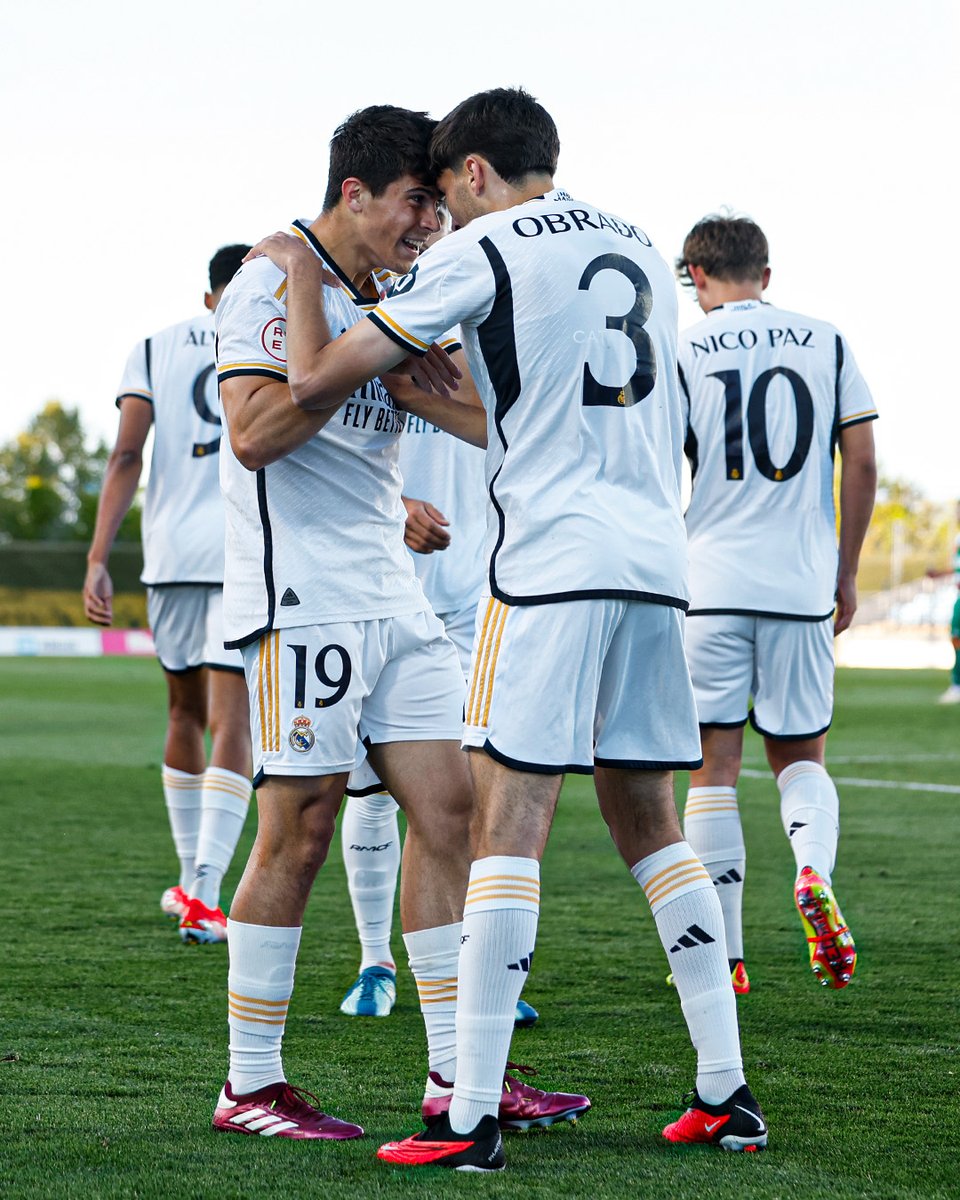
{"x": 757, "y": 423}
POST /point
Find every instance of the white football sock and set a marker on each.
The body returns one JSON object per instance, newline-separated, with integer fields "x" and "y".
{"x": 500, "y": 918}
{"x": 810, "y": 812}
{"x": 184, "y": 796}
{"x": 263, "y": 959}
{"x": 433, "y": 955}
{"x": 711, "y": 824}
{"x": 370, "y": 836}
{"x": 689, "y": 921}
{"x": 226, "y": 798}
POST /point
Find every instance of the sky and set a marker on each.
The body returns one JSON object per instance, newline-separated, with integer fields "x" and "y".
{"x": 136, "y": 140}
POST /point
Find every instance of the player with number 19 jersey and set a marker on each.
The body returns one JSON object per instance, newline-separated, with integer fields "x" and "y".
{"x": 766, "y": 393}
{"x": 317, "y": 536}
{"x": 575, "y": 364}
{"x": 183, "y": 513}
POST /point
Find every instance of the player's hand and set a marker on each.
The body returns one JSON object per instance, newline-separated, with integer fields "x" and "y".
{"x": 433, "y": 372}
{"x": 98, "y": 595}
{"x": 425, "y": 528}
{"x": 846, "y": 602}
{"x": 284, "y": 250}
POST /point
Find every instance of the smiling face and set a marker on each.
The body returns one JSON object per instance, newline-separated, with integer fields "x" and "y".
{"x": 398, "y": 222}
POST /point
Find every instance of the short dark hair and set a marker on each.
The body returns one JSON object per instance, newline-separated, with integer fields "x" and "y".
{"x": 507, "y": 126}
{"x": 378, "y": 145}
{"x": 730, "y": 248}
{"x": 225, "y": 264}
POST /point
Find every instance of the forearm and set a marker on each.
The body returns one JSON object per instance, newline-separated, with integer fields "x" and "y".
{"x": 120, "y": 483}
{"x": 464, "y": 420}
{"x": 858, "y": 488}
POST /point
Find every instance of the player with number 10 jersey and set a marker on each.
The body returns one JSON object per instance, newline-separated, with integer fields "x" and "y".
{"x": 766, "y": 395}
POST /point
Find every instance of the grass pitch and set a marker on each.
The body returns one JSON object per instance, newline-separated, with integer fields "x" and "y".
{"x": 113, "y": 1034}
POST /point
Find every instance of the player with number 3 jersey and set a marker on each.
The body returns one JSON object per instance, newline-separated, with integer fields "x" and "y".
{"x": 568, "y": 320}
{"x": 769, "y": 396}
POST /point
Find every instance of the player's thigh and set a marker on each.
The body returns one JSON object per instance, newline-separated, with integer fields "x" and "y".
{"x": 646, "y": 719}
{"x": 305, "y": 690}
{"x": 178, "y": 617}
{"x": 187, "y": 697}
{"x": 793, "y": 691}
{"x": 431, "y": 782}
{"x": 720, "y": 655}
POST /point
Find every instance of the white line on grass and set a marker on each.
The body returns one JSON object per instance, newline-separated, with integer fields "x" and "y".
{"x": 893, "y": 784}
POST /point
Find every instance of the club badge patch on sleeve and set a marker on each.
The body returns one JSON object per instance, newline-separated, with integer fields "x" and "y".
{"x": 273, "y": 338}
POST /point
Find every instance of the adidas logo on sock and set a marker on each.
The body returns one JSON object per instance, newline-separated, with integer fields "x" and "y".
{"x": 795, "y": 825}
{"x": 695, "y": 936}
{"x": 523, "y": 965}
{"x": 731, "y": 876}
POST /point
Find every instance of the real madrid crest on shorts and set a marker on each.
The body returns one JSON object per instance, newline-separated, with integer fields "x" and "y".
{"x": 302, "y": 737}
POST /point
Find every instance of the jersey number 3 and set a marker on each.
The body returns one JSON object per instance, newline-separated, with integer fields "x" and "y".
{"x": 630, "y": 325}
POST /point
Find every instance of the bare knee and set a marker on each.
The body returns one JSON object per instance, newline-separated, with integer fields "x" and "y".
{"x": 781, "y": 753}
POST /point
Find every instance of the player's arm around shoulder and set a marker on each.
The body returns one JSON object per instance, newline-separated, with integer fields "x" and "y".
{"x": 858, "y": 489}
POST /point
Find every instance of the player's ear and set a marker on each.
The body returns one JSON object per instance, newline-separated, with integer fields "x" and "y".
{"x": 353, "y": 193}
{"x": 476, "y": 170}
{"x": 698, "y": 276}
{"x": 208, "y": 301}
{"x": 765, "y": 280}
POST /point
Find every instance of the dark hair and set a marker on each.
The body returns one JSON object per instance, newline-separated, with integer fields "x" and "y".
{"x": 733, "y": 249}
{"x": 507, "y": 126}
{"x": 378, "y": 145}
{"x": 225, "y": 264}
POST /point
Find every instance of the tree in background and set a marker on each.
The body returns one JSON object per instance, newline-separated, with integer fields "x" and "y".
{"x": 50, "y": 480}
{"x": 909, "y": 536}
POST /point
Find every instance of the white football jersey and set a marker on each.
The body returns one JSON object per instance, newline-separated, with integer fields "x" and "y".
{"x": 182, "y": 524}
{"x": 568, "y": 319}
{"x": 766, "y": 394}
{"x": 448, "y": 473}
{"x": 317, "y": 536}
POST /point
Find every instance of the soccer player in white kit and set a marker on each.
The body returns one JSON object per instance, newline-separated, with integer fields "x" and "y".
{"x": 336, "y": 633}
{"x": 169, "y": 384}
{"x": 568, "y": 319}
{"x": 769, "y": 396}
{"x": 445, "y": 527}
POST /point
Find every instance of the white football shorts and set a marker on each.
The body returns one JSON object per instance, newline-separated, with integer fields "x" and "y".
{"x": 458, "y": 627}
{"x": 186, "y": 620}
{"x": 786, "y": 666}
{"x": 316, "y": 690}
{"x": 563, "y": 687}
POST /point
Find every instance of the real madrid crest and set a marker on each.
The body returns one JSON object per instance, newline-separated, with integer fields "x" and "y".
{"x": 302, "y": 737}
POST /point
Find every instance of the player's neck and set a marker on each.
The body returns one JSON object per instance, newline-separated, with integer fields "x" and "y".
{"x": 720, "y": 291}
{"x": 339, "y": 239}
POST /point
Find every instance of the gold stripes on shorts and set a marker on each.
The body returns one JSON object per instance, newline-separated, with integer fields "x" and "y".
{"x": 485, "y": 663}
{"x": 662, "y": 886}
{"x": 269, "y": 692}
{"x": 260, "y": 1012}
